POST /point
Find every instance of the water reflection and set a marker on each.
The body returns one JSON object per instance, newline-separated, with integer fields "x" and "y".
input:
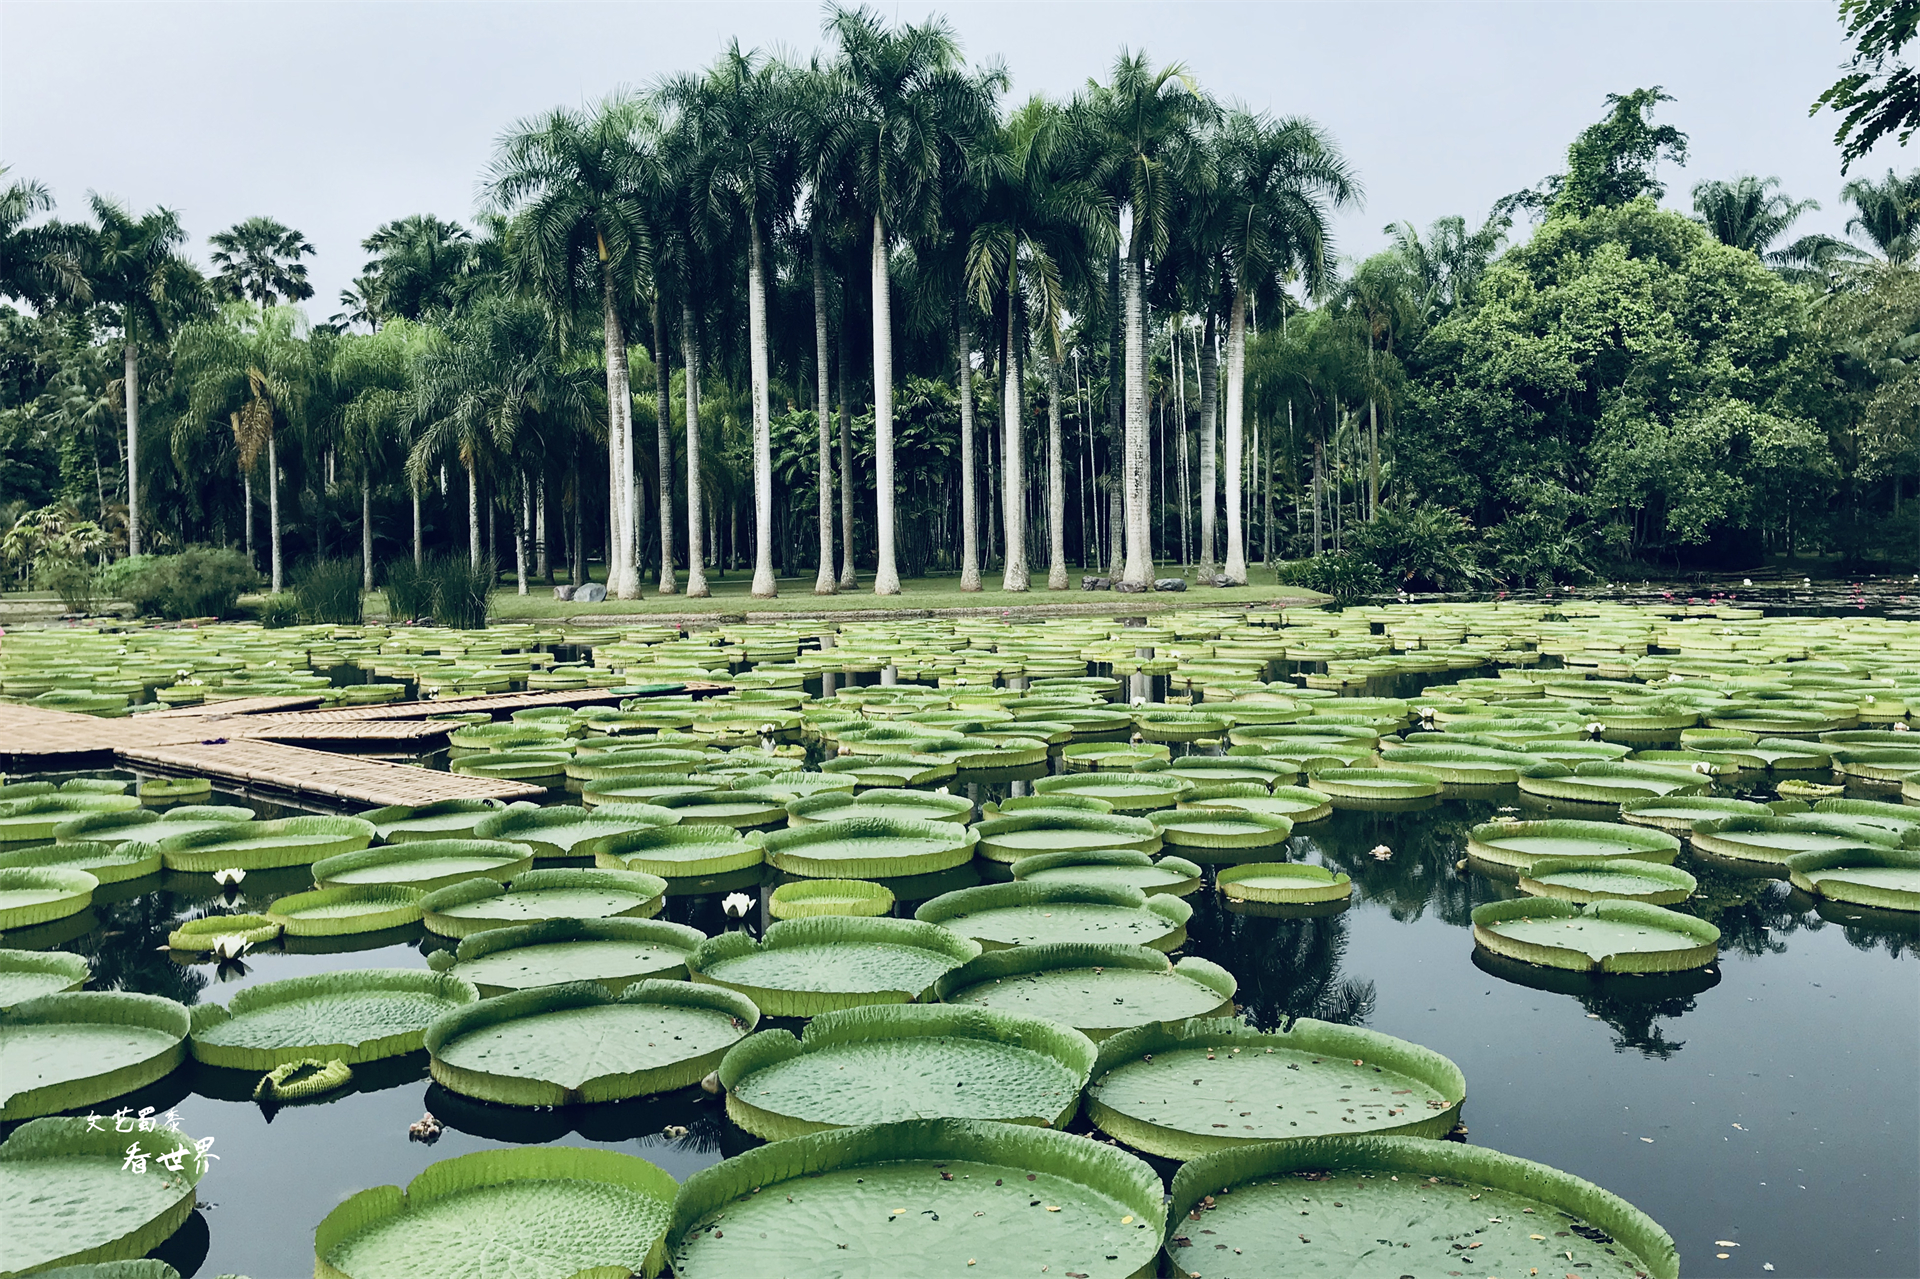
{"x": 1287, "y": 968}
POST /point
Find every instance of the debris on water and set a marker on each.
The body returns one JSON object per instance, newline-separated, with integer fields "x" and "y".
{"x": 426, "y": 1129}
{"x": 1382, "y": 853}
{"x": 711, "y": 1083}
{"x": 675, "y": 1131}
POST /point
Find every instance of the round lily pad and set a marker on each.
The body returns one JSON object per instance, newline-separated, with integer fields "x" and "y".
{"x": 1605, "y": 782}
{"x": 1881, "y": 878}
{"x": 24, "y": 821}
{"x": 566, "y": 831}
{"x": 37, "y": 895}
{"x": 1046, "y": 804}
{"x": 447, "y": 819}
{"x": 1390, "y": 784}
{"x": 1127, "y": 792}
{"x": 914, "y": 805}
{"x": 148, "y": 826}
{"x": 1676, "y": 814}
{"x": 103, "y": 1212}
{"x": 1515, "y": 845}
{"x": 906, "y": 1061}
{"x": 480, "y": 904}
{"x": 534, "y": 1212}
{"x": 29, "y": 974}
{"x": 1771, "y": 840}
{"x": 1027, "y": 914}
{"x": 1186, "y": 1089}
{"x": 338, "y": 912}
{"x": 1325, "y": 1205}
{"x": 1461, "y": 765}
{"x": 229, "y": 932}
{"x": 357, "y": 1016}
{"x": 1581, "y": 881}
{"x": 645, "y": 788}
{"x": 614, "y": 952}
{"x": 1283, "y": 883}
{"x": 290, "y": 841}
{"x": 1295, "y": 803}
{"x": 1027, "y": 832}
{"x": 870, "y": 848}
{"x": 577, "y": 1044}
{"x": 65, "y": 1051}
{"x": 1206, "y": 770}
{"x": 1123, "y": 866}
{"x": 805, "y": 898}
{"x": 890, "y": 770}
{"x": 679, "y": 852}
{"x": 425, "y": 864}
{"x": 109, "y": 863}
{"x": 175, "y": 790}
{"x": 807, "y": 966}
{"x": 1098, "y": 990}
{"x": 927, "y": 1196}
{"x": 1221, "y": 834}
{"x": 1606, "y": 936}
{"x": 519, "y": 765}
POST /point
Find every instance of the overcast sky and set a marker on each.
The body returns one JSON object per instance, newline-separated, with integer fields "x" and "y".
{"x": 337, "y": 117}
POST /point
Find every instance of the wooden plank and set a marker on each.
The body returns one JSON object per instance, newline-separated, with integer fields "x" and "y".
{"x": 287, "y": 729}
{"x": 240, "y": 706}
{"x": 294, "y": 769}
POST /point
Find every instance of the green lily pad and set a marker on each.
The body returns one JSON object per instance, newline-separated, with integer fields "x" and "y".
{"x": 1431, "y": 1196}
{"x": 480, "y": 904}
{"x": 1029, "y": 914}
{"x": 735, "y": 809}
{"x": 807, "y": 898}
{"x": 578, "y": 1044}
{"x": 1516, "y": 845}
{"x": 65, "y": 1051}
{"x": 29, "y": 974}
{"x": 425, "y": 864}
{"x": 290, "y": 841}
{"x": 223, "y": 930}
{"x": 1111, "y": 756}
{"x": 686, "y": 851}
{"x": 1604, "y": 782}
{"x": 109, "y": 863}
{"x": 807, "y": 966}
{"x": 302, "y": 1080}
{"x": 148, "y": 827}
{"x": 1127, "y": 792}
{"x": 1098, "y": 990}
{"x": 1606, "y": 936}
{"x": 1676, "y": 814}
{"x": 1373, "y": 783}
{"x": 870, "y": 848}
{"x": 175, "y": 790}
{"x": 1045, "y": 804}
{"x": 890, "y": 770}
{"x": 1882, "y": 878}
{"x": 1185, "y": 1090}
{"x": 447, "y": 819}
{"x": 1028, "y": 832}
{"x": 914, "y": 805}
{"x": 536, "y": 1212}
{"x": 339, "y": 912}
{"x": 1208, "y": 770}
{"x": 1622, "y": 879}
{"x": 649, "y": 788}
{"x": 1283, "y": 883}
{"x": 1117, "y": 866}
{"x": 518, "y": 765}
{"x": 34, "y": 818}
{"x": 1461, "y": 765}
{"x": 359, "y": 1015}
{"x": 614, "y": 952}
{"x": 1295, "y": 803}
{"x": 565, "y": 831}
{"x": 103, "y": 1211}
{"x": 38, "y": 895}
{"x": 1902, "y": 821}
{"x": 1221, "y": 834}
{"x": 941, "y": 1192}
{"x": 1771, "y": 840}
{"x": 891, "y": 1062}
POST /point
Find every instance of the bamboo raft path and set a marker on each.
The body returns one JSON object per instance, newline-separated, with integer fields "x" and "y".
{"x": 250, "y": 742}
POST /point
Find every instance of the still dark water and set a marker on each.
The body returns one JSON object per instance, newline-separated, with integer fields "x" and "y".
{"x": 1773, "y": 1101}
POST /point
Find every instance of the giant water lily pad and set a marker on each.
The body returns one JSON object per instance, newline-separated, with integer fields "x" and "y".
{"x": 870, "y": 848}
{"x": 892, "y": 1062}
{"x": 1127, "y": 867}
{"x": 1284, "y": 883}
{"x": 147, "y": 826}
{"x": 1127, "y": 792}
{"x": 1771, "y": 840}
{"x": 1604, "y": 782}
{"x": 537, "y": 1212}
{"x": 1622, "y": 879}
{"x": 736, "y": 809}
{"x": 1098, "y": 990}
{"x": 223, "y": 931}
{"x": 565, "y": 831}
{"x": 1606, "y": 936}
{"x": 1221, "y": 834}
{"x": 1902, "y": 821}
{"x": 68, "y": 1197}
{"x": 1388, "y": 1206}
{"x": 1461, "y": 765}
{"x": 340, "y": 912}
{"x": 109, "y": 863}
{"x": 927, "y": 1197}
{"x": 1516, "y": 845}
{"x": 1882, "y": 878}
{"x": 480, "y": 904}
{"x": 578, "y": 1044}
{"x": 1027, "y": 832}
{"x": 1184, "y": 1090}
{"x": 38, "y": 895}
{"x": 890, "y": 770}
{"x": 1373, "y": 784}
{"x": 1029, "y": 914}
{"x": 1676, "y": 814}
{"x": 35, "y": 817}
{"x": 290, "y": 841}
{"x": 357, "y": 1016}
{"x": 807, "y": 898}
{"x": 447, "y": 819}
{"x": 614, "y": 952}
{"x": 689, "y": 850}
{"x": 1207, "y": 770}
{"x": 65, "y": 1051}
{"x": 915, "y": 805}
{"x": 808, "y": 966}
{"x": 1295, "y": 803}
{"x": 425, "y": 864}
{"x": 29, "y": 974}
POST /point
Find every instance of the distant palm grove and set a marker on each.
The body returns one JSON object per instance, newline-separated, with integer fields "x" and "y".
{"x": 870, "y": 316}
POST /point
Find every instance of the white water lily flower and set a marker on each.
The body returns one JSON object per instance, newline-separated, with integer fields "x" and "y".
{"x": 226, "y": 949}
{"x": 230, "y": 877}
{"x": 736, "y": 905}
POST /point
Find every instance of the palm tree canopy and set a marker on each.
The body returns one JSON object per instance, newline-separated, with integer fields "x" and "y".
{"x": 1747, "y": 213}
{"x": 39, "y": 264}
{"x": 1283, "y": 180}
{"x": 259, "y": 259}
{"x": 420, "y": 264}
{"x": 136, "y": 271}
{"x": 247, "y": 367}
{"x": 1887, "y": 213}
{"x": 1149, "y": 122}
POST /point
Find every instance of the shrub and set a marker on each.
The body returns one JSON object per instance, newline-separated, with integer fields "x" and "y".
{"x": 201, "y": 581}
{"x": 1536, "y": 549}
{"x": 329, "y": 591}
{"x": 278, "y": 610}
{"x": 409, "y": 591}
{"x": 1428, "y": 548}
{"x": 1341, "y": 574}
{"x": 71, "y": 580}
{"x": 461, "y": 591}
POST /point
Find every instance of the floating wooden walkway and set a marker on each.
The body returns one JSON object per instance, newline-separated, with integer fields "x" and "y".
{"x": 250, "y": 742}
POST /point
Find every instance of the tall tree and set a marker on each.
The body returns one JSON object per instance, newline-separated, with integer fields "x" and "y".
{"x": 1283, "y": 180}
{"x": 814, "y": 93}
{"x": 40, "y": 263}
{"x": 371, "y": 383}
{"x": 1747, "y": 213}
{"x": 576, "y": 181}
{"x": 1879, "y": 94}
{"x": 420, "y": 264}
{"x": 1886, "y": 213}
{"x": 259, "y": 260}
{"x": 135, "y": 270}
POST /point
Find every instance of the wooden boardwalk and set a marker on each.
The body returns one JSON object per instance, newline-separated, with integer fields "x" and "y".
{"x": 278, "y": 768}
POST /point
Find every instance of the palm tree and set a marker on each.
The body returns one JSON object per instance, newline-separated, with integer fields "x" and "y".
{"x": 259, "y": 260}
{"x": 42, "y": 264}
{"x": 371, "y": 379}
{"x": 813, "y": 97}
{"x": 255, "y": 369}
{"x": 1887, "y": 213}
{"x": 1747, "y": 213}
{"x": 678, "y": 257}
{"x": 1147, "y": 122}
{"x": 134, "y": 269}
{"x": 1282, "y": 181}
{"x": 419, "y": 265}
{"x": 1445, "y": 268}
{"x": 577, "y": 180}
{"x": 908, "y": 108}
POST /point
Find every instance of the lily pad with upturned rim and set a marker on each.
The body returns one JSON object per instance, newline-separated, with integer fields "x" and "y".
{"x": 914, "y": 805}
{"x": 445, "y": 819}
{"x": 737, "y": 809}
{"x": 1373, "y": 783}
{"x": 1283, "y": 883}
{"x": 290, "y": 841}
{"x": 1881, "y": 878}
{"x": 1123, "y": 866}
{"x": 1517, "y": 845}
{"x": 808, "y": 898}
{"x": 614, "y": 952}
{"x": 109, "y": 863}
{"x": 803, "y": 967}
{"x": 1580, "y": 881}
{"x": 1127, "y": 792}
{"x": 1221, "y": 834}
{"x": 1028, "y": 832}
{"x": 870, "y": 848}
{"x": 562, "y": 830}
{"x": 24, "y": 821}
{"x": 302, "y": 1080}
{"x": 175, "y": 790}
{"x": 886, "y": 1063}
{"x": 1295, "y": 803}
{"x": 687, "y": 851}
{"x": 360, "y": 1015}
{"x": 39, "y": 895}
{"x": 1771, "y": 840}
{"x": 29, "y": 974}
{"x": 209, "y": 932}
{"x": 1024, "y": 913}
{"x": 340, "y": 912}
{"x": 1604, "y": 782}
{"x": 1098, "y": 990}
{"x": 480, "y": 904}
{"x": 425, "y": 864}
{"x": 147, "y": 826}
{"x": 1676, "y": 814}
{"x": 1605, "y": 936}
{"x": 75, "y": 1049}
{"x": 102, "y": 1213}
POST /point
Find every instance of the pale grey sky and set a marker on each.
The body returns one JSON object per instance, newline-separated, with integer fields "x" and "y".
{"x": 335, "y": 117}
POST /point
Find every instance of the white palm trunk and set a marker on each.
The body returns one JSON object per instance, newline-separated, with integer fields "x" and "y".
{"x": 849, "y": 579}
{"x": 1013, "y": 484}
{"x": 273, "y": 500}
{"x": 520, "y": 538}
{"x": 1209, "y": 474}
{"x": 824, "y": 582}
{"x": 366, "y": 534}
{"x": 663, "y": 452}
{"x": 969, "y": 481}
{"x": 886, "y": 576}
{"x": 1139, "y": 562}
{"x": 473, "y": 523}
{"x": 696, "y": 544}
{"x": 764, "y": 586}
{"x": 1236, "y": 569}
{"x": 1056, "y": 487}
{"x": 131, "y": 395}
{"x": 623, "y": 573}
{"x": 419, "y": 548}
{"x": 542, "y": 564}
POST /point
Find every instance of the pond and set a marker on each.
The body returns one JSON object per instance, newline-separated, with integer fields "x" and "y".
{"x": 1765, "y": 1109}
